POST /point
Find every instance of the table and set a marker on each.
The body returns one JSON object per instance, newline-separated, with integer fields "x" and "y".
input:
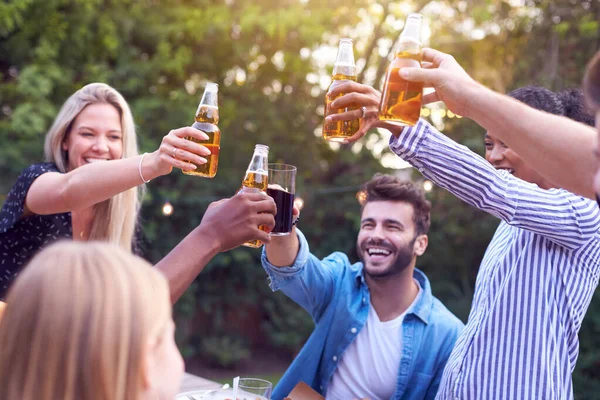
{"x": 193, "y": 382}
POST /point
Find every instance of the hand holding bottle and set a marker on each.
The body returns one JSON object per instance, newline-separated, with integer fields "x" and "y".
{"x": 452, "y": 84}
{"x": 367, "y": 98}
{"x": 236, "y": 220}
{"x": 175, "y": 151}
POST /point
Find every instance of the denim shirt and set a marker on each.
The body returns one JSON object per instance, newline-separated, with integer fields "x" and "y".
{"x": 335, "y": 294}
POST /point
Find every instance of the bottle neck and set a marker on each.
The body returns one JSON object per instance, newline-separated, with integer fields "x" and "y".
{"x": 344, "y": 71}
{"x": 411, "y": 34}
{"x": 344, "y": 67}
{"x": 207, "y": 114}
{"x": 210, "y": 98}
{"x": 256, "y": 177}
{"x": 259, "y": 163}
{"x": 408, "y": 47}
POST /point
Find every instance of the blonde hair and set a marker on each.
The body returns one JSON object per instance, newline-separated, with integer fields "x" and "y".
{"x": 76, "y": 324}
{"x": 115, "y": 218}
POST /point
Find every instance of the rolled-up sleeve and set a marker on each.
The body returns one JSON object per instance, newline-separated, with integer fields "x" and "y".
{"x": 309, "y": 281}
{"x": 282, "y": 276}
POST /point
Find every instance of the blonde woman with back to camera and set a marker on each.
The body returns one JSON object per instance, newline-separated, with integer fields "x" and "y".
{"x": 93, "y": 322}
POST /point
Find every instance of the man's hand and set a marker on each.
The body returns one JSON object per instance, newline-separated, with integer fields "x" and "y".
{"x": 236, "y": 220}
{"x": 359, "y": 95}
{"x": 452, "y": 84}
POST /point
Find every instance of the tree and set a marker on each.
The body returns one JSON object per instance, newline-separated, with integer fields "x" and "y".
{"x": 269, "y": 59}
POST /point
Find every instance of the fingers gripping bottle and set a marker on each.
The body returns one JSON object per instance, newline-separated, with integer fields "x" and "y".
{"x": 207, "y": 118}
{"x": 400, "y": 99}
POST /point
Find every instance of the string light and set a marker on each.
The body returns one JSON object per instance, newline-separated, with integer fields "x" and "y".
{"x": 361, "y": 196}
{"x": 299, "y": 203}
{"x": 427, "y": 186}
{"x": 167, "y": 209}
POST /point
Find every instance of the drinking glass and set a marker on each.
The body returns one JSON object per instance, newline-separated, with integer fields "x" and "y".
{"x": 282, "y": 188}
{"x": 253, "y": 389}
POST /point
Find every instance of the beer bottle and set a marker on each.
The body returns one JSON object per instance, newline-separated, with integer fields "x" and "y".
{"x": 256, "y": 178}
{"x": 344, "y": 70}
{"x": 400, "y": 99}
{"x": 207, "y": 118}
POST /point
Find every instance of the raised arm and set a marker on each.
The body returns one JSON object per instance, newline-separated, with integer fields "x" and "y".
{"x": 226, "y": 224}
{"x": 283, "y": 250}
{"x": 89, "y": 184}
{"x": 304, "y": 278}
{"x": 561, "y": 216}
{"x": 557, "y": 147}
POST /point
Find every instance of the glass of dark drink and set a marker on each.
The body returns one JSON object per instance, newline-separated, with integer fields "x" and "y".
{"x": 282, "y": 187}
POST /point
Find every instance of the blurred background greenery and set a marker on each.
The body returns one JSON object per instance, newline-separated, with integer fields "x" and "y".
{"x": 272, "y": 60}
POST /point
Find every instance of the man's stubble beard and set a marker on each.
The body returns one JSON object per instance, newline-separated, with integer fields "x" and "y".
{"x": 403, "y": 259}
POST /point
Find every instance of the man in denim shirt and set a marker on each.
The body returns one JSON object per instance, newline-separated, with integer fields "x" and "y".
{"x": 379, "y": 332}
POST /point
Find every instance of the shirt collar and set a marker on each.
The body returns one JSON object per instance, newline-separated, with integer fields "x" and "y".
{"x": 422, "y": 308}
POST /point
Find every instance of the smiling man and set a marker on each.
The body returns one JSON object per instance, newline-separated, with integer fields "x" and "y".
{"x": 379, "y": 332}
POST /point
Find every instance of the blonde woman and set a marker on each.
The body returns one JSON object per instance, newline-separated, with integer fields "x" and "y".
{"x": 87, "y": 189}
{"x": 93, "y": 322}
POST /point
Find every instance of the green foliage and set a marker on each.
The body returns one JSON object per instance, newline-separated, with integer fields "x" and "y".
{"x": 261, "y": 52}
{"x": 225, "y": 351}
{"x": 287, "y": 326}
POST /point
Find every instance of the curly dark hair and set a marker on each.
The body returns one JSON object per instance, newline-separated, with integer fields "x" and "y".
{"x": 390, "y": 188}
{"x": 591, "y": 83}
{"x": 569, "y": 102}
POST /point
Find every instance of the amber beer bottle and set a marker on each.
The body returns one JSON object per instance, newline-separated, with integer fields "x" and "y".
{"x": 400, "y": 99}
{"x": 207, "y": 118}
{"x": 256, "y": 178}
{"x": 344, "y": 70}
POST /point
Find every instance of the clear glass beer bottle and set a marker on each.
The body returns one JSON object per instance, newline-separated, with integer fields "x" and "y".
{"x": 256, "y": 178}
{"x": 344, "y": 70}
{"x": 207, "y": 118}
{"x": 401, "y": 100}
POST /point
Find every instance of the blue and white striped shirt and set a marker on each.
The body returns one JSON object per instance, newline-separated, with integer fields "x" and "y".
{"x": 535, "y": 281}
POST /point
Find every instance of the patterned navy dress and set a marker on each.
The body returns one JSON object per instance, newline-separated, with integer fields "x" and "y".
{"x": 20, "y": 238}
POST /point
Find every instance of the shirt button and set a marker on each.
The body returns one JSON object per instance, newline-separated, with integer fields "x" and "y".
{"x": 364, "y": 300}
{"x": 321, "y": 387}
{"x": 353, "y": 330}
{"x": 334, "y": 358}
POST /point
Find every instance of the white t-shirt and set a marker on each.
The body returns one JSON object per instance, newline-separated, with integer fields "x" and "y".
{"x": 369, "y": 366}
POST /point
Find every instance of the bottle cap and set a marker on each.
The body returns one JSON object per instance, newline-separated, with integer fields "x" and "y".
{"x": 211, "y": 87}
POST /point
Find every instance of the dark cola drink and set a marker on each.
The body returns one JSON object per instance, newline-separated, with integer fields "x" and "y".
{"x": 285, "y": 203}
